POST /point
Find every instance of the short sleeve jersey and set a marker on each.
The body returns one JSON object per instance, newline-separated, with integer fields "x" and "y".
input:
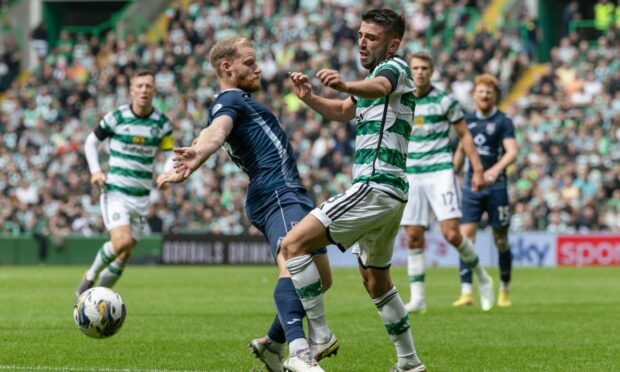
{"x": 383, "y": 127}
{"x": 488, "y": 135}
{"x": 134, "y": 142}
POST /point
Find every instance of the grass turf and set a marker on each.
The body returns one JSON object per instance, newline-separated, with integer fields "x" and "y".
{"x": 201, "y": 319}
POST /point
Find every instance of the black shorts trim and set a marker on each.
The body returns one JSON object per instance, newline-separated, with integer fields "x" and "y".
{"x": 359, "y": 262}
{"x": 346, "y": 204}
{"x": 331, "y": 240}
{"x": 392, "y": 195}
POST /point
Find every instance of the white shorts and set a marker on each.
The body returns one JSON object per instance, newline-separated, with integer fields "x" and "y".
{"x": 436, "y": 190}
{"x": 121, "y": 210}
{"x": 363, "y": 218}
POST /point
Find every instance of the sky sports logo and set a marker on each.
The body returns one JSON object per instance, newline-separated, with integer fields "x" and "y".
{"x": 588, "y": 250}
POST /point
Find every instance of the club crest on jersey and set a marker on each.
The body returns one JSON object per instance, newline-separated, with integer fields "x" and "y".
{"x": 490, "y": 128}
{"x": 418, "y": 120}
{"x": 154, "y": 132}
{"x": 138, "y": 140}
{"x": 216, "y": 108}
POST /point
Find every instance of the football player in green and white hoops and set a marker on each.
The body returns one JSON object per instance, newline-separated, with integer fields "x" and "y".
{"x": 433, "y": 183}
{"x": 136, "y": 132}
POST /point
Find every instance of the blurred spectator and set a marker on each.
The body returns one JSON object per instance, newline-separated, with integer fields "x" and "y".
{"x": 568, "y": 127}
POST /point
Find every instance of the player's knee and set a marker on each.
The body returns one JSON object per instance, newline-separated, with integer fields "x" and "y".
{"x": 124, "y": 256}
{"x": 290, "y": 248}
{"x": 501, "y": 241}
{"x": 123, "y": 244}
{"x": 326, "y": 283}
{"x": 375, "y": 288}
{"x": 453, "y": 236}
{"x": 415, "y": 240}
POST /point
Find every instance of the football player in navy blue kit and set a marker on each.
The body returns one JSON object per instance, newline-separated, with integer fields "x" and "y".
{"x": 276, "y": 200}
{"x": 494, "y": 137}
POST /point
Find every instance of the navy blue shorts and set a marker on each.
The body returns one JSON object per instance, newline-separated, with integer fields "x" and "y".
{"x": 493, "y": 200}
{"x": 280, "y": 213}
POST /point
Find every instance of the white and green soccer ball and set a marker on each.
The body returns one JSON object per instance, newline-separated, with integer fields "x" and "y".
{"x": 99, "y": 312}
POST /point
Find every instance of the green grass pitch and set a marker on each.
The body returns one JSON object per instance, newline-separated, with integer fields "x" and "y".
{"x": 187, "y": 318}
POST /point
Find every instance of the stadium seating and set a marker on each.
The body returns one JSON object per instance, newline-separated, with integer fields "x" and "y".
{"x": 567, "y": 177}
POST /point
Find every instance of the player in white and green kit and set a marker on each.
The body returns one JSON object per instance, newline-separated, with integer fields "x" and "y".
{"x": 433, "y": 183}
{"x": 136, "y": 132}
{"x": 366, "y": 217}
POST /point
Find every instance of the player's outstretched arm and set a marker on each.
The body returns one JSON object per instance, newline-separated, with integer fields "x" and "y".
{"x": 188, "y": 159}
{"x": 468, "y": 146}
{"x": 333, "y": 109}
{"x": 374, "y": 88}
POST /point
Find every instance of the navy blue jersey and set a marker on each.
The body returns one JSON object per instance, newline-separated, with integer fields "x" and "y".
{"x": 258, "y": 145}
{"x": 488, "y": 135}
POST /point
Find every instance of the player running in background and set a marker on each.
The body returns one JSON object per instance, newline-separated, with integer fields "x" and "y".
{"x": 494, "y": 136}
{"x": 276, "y": 199}
{"x": 367, "y": 215}
{"x": 432, "y": 182}
{"x": 136, "y": 132}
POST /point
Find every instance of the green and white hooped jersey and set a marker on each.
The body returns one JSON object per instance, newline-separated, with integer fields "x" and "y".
{"x": 429, "y": 144}
{"x": 383, "y": 127}
{"x": 134, "y": 142}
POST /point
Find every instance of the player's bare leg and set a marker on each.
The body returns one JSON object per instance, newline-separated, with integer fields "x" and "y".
{"x": 121, "y": 241}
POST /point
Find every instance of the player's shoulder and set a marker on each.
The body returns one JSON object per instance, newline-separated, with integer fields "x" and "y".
{"x": 227, "y": 99}
{"x": 503, "y": 117}
{"x": 114, "y": 117}
{"x": 119, "y": 110}
{"x": 394, "y": 62}
{"x": 470, "y": 117}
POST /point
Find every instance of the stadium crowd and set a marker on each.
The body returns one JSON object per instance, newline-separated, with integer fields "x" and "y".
{"x": 566, "y": 179}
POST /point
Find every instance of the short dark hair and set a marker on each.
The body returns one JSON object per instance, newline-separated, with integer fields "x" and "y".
{"x": 143, "y": 72}
{"x": 388, "y": 19}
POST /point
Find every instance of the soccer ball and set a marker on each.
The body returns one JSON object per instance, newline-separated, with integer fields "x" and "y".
{"x": 99, "y": 312}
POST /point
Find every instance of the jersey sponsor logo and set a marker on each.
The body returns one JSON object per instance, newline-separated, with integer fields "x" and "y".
{"x": 359, "y": 118}
{"x": 138, "y": 140}
{"x": 139, "y": 150}
{"x": 479, "y": 139}
{"x": 588, "y": 250}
